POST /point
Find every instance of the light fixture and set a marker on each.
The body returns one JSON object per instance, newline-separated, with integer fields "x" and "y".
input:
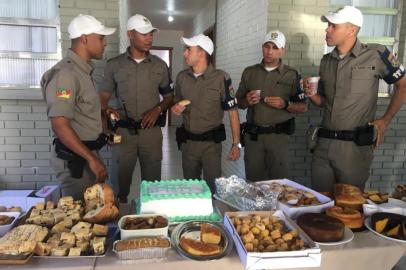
{"x": 170, "y": 18}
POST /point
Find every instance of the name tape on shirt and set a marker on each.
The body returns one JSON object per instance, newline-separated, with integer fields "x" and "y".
{"x": 63, "y": 93}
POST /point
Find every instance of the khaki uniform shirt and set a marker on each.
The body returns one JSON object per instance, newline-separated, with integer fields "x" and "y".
{"x": 210, "y": 94}
{"x": 138, "y": 84}
{"x": 283, "y": 82}
{"x": 350, "y": 85}
{"x": 70, "y": 91}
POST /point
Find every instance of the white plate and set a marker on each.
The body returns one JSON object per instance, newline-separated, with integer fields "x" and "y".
{"x": 368, "y": 224}
{"x": 348, "y": 236}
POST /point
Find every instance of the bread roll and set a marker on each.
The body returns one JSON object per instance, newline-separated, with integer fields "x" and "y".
{"x": 184, "y": 102}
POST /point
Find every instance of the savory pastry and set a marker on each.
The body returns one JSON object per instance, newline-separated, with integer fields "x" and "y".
{"x": 100, "y": 230}
{"x": 75, "y": 251}
{"x": 59, "y": 251}
{"x": 198, "y": 248}
{"x": 42, "y": 249}
{"x": 350, "y": 217}
{"x": 320, "y": 227}
{"x": 22, "y": 239}
{"x": 209, "y": 234}
{"x": 98, "y": 247}
{"x": 68, "y": 239}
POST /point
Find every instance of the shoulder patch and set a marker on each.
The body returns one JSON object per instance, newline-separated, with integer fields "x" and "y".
{"x": 395, "y": 69}
{"x": 63, "y": 93}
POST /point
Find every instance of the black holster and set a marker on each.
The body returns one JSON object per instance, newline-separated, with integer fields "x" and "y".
{"x": 216, "y": 135}
{"x": 364, "y": 135}
{"x": 287, "y": 127}
{"x": 75, "y": 162}
{"x": 180, "y": 136}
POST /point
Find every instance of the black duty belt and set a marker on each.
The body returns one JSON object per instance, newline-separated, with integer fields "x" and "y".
{"x": 363, "y": 135}
{"x": 344, "y": 135}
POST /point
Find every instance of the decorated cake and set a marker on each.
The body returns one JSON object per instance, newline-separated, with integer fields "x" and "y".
{"x": 179, "y": 200}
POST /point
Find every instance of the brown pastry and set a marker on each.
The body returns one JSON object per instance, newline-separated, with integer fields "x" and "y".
{"x": 104, "y": 210}
{"x": 348, "y": 196}
{"x": 320, "y": 227}
{"x": 198, "y": 248}
{"x": 350, "y": 217}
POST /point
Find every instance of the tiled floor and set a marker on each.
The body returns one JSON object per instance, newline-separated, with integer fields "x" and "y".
{"x": 171, "y": 163}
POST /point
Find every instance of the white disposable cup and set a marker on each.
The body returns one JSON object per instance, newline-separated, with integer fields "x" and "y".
{"x": 312, "y": 84}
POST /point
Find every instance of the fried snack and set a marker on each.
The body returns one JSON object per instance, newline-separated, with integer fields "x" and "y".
{"x": 266, "y": 234}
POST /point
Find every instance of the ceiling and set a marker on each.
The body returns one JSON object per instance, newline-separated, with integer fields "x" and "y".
{"x": 183, "y": 12}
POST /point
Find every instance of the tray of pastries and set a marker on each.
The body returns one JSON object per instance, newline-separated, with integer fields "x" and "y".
{"x": 290, "y": 195}
{"x": 266, "y": 233}
{"x": 201, "y": 240}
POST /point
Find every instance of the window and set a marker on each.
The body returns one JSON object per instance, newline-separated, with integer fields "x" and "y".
{"x": 381, "y": 25}
{"x": 30, "y": 34}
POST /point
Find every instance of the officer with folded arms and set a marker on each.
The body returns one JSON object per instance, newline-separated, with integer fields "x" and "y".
{"x": 74, "y": 108}
{"x": 348, "y": 93}
{"x": 202, "y": 94}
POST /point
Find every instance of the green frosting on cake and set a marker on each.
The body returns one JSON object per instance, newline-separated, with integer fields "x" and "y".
{"x": 174, "y": 189}
{"x": 177, "y": 189}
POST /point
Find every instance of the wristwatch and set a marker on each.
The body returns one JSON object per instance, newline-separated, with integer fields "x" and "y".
{"x": 237, "y": 145}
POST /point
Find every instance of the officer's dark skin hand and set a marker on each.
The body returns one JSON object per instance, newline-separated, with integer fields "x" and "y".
{"x": 149, "y": 117}
{"x": 275, "y": 102}
{"x": 99, "y": 170}
{"x": 252, "y": 97}
{"x": 234, "y": 153}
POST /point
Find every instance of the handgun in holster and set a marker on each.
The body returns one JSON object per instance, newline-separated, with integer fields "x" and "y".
{"x": 76, "y": 163}
{"x": 180, "y": 136}
{"x": 364, "y": 135}
{"x": 219, "y": 134}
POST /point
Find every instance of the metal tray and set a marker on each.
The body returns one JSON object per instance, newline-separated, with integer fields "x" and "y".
{"x": 192, "y": 230}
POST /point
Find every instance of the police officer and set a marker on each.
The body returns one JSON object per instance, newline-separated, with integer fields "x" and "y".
{"x": 210, "y": 93}
{"x": 347, "y": 93}
{"x": 137, "y": 79}
{"x": 271, "y": 93}
{"x": 74, "y": 108}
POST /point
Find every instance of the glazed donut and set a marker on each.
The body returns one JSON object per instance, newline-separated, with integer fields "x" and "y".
{"x": 350, "y": 217}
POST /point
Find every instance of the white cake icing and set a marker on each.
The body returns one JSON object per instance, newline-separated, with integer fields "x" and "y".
{"x": 176, "y": 198}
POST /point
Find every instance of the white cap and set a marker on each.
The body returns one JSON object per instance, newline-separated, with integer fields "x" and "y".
{"x": 200, "y": 40}
{"x": 86, "y": 25}
{"x": 140, "y": 24}
{"x": 276, "y": 37}
{"x": 347, "y": 14}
